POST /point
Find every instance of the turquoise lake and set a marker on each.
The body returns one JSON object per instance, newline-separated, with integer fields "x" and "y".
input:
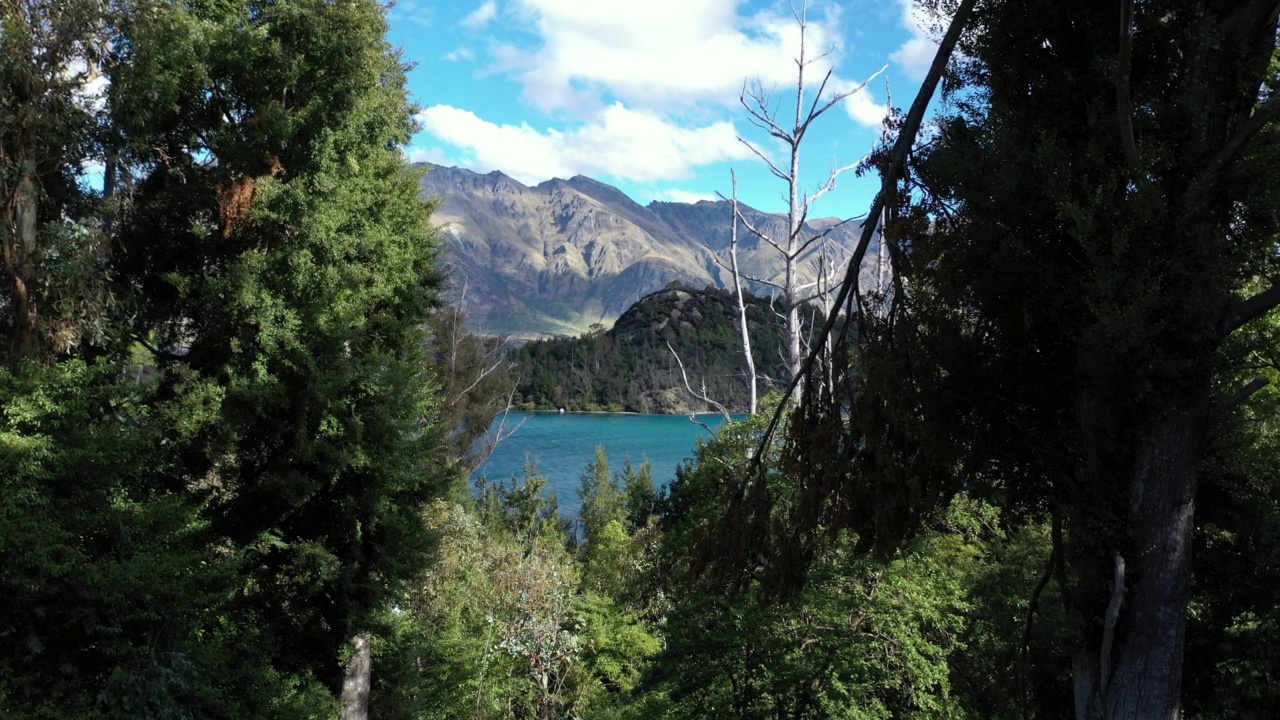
{"x": 564, "y": 443}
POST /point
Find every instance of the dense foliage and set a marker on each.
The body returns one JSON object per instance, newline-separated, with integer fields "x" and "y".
{"x": 217, "y": 430}
{"x": 235, "y": 425}
{"x": 632, "y": 367}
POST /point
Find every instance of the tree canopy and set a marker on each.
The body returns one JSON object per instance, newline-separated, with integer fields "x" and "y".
{"x": 216, "y": 456}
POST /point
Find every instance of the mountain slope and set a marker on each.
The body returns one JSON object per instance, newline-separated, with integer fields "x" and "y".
{"x": 553, "y": 259}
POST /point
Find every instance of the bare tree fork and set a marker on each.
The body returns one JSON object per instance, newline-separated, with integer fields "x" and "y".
{"x": 755, "y": 99}
{"x": 901, "y": 148}
{"x": 357, "y": 679}
{"x": 1124, "y": 98}
{"x": 724, "y": 412}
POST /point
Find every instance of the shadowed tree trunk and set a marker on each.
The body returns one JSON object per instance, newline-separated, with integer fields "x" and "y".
{"x": 357, "y": 679}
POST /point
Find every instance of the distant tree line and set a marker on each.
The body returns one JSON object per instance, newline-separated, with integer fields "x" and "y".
{"x": 632, "y": 367}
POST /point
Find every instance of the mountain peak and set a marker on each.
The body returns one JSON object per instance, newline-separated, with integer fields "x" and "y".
{"x": 538, "y": 261}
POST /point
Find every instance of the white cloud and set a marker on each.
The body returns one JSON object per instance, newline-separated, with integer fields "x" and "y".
{"x": 861, "y": 106}
{"x": 917, "y": 53}
{"x": 481, "y": 16}
{"x": 433, "y": 155}
{"x": 459, "y": 54}
{"x": 682, "y": 196}
{"x": 657, "y": 53}
{"x": 623, "y": 143}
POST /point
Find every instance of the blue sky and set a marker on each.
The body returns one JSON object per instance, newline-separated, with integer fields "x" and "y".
{"x": 643, "y": 94}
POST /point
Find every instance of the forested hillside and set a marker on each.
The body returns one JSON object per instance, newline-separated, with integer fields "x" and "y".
{"x": 632, "y": 367}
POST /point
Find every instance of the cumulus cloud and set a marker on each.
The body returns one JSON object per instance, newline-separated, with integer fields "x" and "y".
{"x": 659, "y": 52}
{"x": 621, "y": 142}
{"x": 481, "y": 16}
{"x": 862, "y": 106}
{"x": 917, "y": 53}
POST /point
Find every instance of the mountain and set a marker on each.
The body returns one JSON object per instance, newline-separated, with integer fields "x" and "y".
{"x": 554, "y": 259}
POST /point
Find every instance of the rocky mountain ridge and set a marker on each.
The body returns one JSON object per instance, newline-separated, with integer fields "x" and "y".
{"x": 555, "y": 258}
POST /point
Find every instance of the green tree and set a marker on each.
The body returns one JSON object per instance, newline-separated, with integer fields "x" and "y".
{"x": 600, "y": 496}
{"x": 281, "y": 254}
{"x": 50, "y": 247}
{"x": 641, "y": 500}
{"x": 866, "y": 637}
{"x": 271, "y": 253}
{"x": 501, "y": 625}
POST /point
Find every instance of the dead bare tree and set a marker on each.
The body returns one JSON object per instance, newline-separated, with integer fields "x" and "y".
{"x": 758, "y": 103}
{"x": 752, "y": 378}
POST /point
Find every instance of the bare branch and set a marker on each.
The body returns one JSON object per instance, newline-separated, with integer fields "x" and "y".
{"x": 742, "y": 306}
{"x": 762, "y": 281}
{"x": 751, "y": 228}
{"x": 760, "y": 154}
{"x": 497, "y": 434}
{"x": 484, "y": 373}
{"x": 817, "y": 98}
{"x": 762, "y": 115}
{"x": 700, "y": 396}
{"x": 820, "y": 236}
{"x": 1250, "y": 309}
{"x": 830, "y": 184}
{"x": 815, "y": 114}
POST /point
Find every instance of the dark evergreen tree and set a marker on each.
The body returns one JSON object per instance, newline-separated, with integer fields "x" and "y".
{"x": 226, "y": 445}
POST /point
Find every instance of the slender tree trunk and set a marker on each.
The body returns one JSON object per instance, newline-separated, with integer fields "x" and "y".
{"x": 742, "y": 306}
{"x": 357, "y": 679}
{"x": 795, "y": 360}
{"x": 19, "y": 260}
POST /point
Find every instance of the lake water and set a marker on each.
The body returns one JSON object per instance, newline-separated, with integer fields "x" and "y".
{"x": 564, "y": 443}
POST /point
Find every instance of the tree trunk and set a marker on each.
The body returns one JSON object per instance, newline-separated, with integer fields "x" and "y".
{"x": 742, "y": 306}
{"x": 357, "y": 679}
{"x": 1146, "y": 681}
{"x": 1142, "y": 677}
{"x": 19, "y": 259}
